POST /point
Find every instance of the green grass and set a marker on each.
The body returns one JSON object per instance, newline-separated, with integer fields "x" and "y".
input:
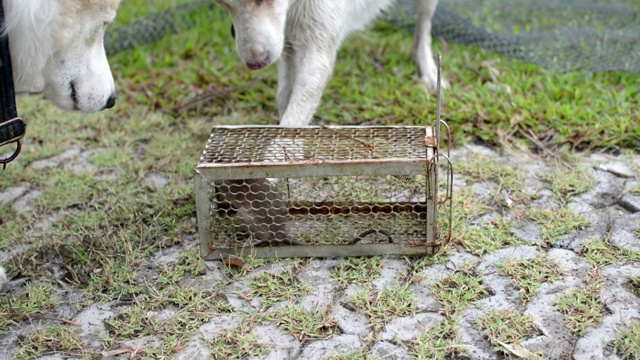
{"x": 357, "y": 270}
{"x": 273, "y": 288}
{"x": 627, "y": 342}
{"x": 506, "y": 327}
{"x": 486, "y": 238}
{"x": 583, "y": 307}
{"x": 382, "y": 307}
{"x": 557, "y": 222}
{"x": 567, "y": 183}
{"x": 599, "y": 253}
{"x": 530, "y": 274}
{"x": 439, "y": 341}
{"x": 57, "y": 339}
{"x": 459, "y": 290}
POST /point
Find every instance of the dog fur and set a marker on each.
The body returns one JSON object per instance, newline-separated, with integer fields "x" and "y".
{"x": 304, "y": 37}
{"x": 57, "y": 49}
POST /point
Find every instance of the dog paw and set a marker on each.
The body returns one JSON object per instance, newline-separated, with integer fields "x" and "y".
{"x": 431, "y": 83}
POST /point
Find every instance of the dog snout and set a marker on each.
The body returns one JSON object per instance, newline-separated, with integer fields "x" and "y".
{"x": 265, "y": 59}
{"x": 111, "y": 102}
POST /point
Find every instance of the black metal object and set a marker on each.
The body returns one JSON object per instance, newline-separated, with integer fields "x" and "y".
{"x": 12, "y": 127}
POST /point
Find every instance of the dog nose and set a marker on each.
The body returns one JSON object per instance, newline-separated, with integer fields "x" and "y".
{"x": 111, "y": 102}
{"x": 255, "y": 65}
{"x": 233, "y": 31}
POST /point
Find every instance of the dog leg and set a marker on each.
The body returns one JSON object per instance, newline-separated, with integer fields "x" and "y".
{"x": 313, "y": 65}
{"x": 286, "y": 73}
{"x": 422, "y": 45}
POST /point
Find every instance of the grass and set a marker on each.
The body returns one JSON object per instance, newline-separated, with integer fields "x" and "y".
{"x": 557, "y": 222}
{"x": 440, "y": 341}
{"x": 627, "y": 342}
{"x": 583, "y": 307}
{"x": 567, "y": 183}
{"x": 600, "y": 253}
{"x": 382, "y": 307}
{"x": 273, "y": 288}
{"x": 486, "y": 238}
{"x": 459, "y": 290}
{"x": 106, "y": 227}
{"x": 506, "y": 327}
{"x": 530, "y": 274}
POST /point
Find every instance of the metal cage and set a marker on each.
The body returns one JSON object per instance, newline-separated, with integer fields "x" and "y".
{"x": 321, "y": 191}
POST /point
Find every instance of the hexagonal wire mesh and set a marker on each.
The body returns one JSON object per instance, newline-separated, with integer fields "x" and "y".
{"x": 320, "y": 191}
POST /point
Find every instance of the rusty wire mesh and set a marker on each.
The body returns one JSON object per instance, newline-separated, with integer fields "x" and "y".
{"x": 273, "y": 186}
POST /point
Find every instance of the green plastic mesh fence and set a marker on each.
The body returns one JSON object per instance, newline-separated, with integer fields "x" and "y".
{"x": 587, "y": 35}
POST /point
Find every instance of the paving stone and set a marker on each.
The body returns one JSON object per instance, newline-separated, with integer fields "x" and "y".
{"x": 423, "y": 296}
{"x": 630, "y": 202}
{"x": 155, "y": 182}
{"x": 476, "y": 345}
{"x": 528, "y": 231}
{"x": 623, "y": 232}
{"x": 409, "y": 327}
{"x": 624, "y": 306}
{"x": 11, "y": 194}
{"x": 600, "y": 223}
{"x": 606, "y": 191}
{"x": 91, "y": 323}
{"x": 388, "y": 351}
{"x": 339, "y": 345}
{"x": 556, "y": 341}
{"x": 26, "y": 202}
{"x": 391, "y": 270}
{"x": 284, "y": 346}
{"x": 523, "y": 252}
{"x": 617, "y": 168}
{"x": 55, "y": 161}
{"x": 350, "y": 322}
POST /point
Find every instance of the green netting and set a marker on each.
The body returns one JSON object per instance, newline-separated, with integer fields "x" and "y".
{"x": 588, "y": 35}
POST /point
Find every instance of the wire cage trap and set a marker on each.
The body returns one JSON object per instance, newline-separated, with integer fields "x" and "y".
{"x": 321, "y": 191}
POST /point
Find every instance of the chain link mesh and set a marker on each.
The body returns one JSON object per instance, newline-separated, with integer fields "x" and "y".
{"x": 589, "y": 35}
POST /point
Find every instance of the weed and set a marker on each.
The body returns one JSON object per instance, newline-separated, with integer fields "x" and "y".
{"x": 273, "y": 288}
{"x": 506, "y": 326}
{"x": 530, "y": 274}
{"x": 304, "y": 324}
{"x": 557, "y": 222}
{"x": 36, "y": 299}
{"x": 237, "y": 343}
{"x": 599, "y": 253}
{"x": 57, "y": 339}
{"x": 634, "y": 285}
{"x": 458, "y": 290}
{"x": 357, "y": 270}
{"x": 627, "y": 342}
{"x": 583, "y": 307}
{"x": 381, "y": 307}
{"x": 486, "y": 238}
{"x": 439, "y": 341}
{"x": 567, "y": 183}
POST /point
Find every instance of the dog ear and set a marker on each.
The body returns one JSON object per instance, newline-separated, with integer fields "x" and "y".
{"x": 233, "y": 31}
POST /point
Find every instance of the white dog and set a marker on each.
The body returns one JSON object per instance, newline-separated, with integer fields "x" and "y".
{"x": 57, "y": 49}
{"x": 305, "y": 35}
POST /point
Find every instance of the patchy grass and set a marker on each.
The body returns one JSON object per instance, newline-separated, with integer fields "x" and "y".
{"x": 530, "y": 274}
{"x": 485, "y": 238}
{"x": 238, "y": 343}
{"x": 583, "y": 307}
{"x": 440, "y": 341}
{"x": 506, "y": 327}
{"x": 569, "y": 182}
{"x": 273, "y": 288}
{"x": 34, "y": 301}
{"x": 357, "y": 270}
{"x": 304, "y": 324}
{"x": 557, "y": 222}
{"x": 627, "y": 342}
{"x": 459, "y": 290}
{"x": 599, "y": 253}
{"x": 634, "y": 285}
{"x": 384, "y": 306}
{"x": 505, "y": 176}
{"x": 466, "y": 206}
{"x": 58, "y": 340}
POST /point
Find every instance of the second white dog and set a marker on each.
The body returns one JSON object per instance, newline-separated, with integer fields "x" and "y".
{"x": 304, "y": 36}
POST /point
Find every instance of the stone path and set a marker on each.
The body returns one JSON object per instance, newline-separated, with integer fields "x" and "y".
{"x": 612, "y": 208}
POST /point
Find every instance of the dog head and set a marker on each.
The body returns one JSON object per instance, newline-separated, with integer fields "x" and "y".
{"x": 258, "y": 27}
{"x": 57, "y": 49}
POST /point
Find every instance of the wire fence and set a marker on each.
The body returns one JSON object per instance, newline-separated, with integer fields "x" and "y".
{"x": 587, "y": 35}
